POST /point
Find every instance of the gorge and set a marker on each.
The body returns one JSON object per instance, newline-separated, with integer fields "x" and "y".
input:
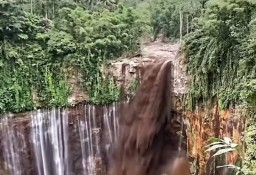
{"x": 118, "y": 87}
{"x": 78, "y": 140}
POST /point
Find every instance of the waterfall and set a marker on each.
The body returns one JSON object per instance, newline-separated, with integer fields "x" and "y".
{"x": 49, "y": 136}
{"x": 12, "y": 141}
{"x": 58, "y": 141}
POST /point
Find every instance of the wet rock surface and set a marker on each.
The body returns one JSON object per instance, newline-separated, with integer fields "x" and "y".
{"x": 198, "y": 126}
{"x": 57, "y": 141}
{"x": 214, "y": 122}
{"x": 146, "y": 145}
{"x": 125, "y": 70}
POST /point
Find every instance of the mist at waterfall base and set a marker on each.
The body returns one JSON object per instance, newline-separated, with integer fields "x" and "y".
{"x": 138, "y": 138}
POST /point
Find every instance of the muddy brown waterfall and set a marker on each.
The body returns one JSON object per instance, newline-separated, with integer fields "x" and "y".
{"x": 147, "y": 143}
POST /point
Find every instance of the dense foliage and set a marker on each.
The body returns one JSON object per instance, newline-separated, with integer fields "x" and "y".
{"x": 173, "y": 18}
{"x": 42, "y": 42}
{"x": 249, "y": 162}
{"x": 220, "y": 53}
{"x": 37, "y": 52}
{"x": 221, "y": 60}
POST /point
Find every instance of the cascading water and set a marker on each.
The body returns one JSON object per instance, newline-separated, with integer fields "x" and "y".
{"x": 58, "y": 141}
{"x": 111, "y": 123}
{"x": 146, "y": 144}
{"x": 50, "y": 142}
{"x": 13, "y": 142}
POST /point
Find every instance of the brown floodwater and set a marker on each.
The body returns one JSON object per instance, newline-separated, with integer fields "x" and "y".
{"x": 148, "y": 143}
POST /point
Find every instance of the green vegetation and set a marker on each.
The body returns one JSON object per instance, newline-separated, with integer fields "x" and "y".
{"x": 218, "y": 38}
{"x": 220, "y": 53}
{"x": 173, "y": 18}
{"x": 249, "y": 162}
{"x": 222, "y": 147}
{"x": 41, "y": 41}
{"x": 221, "y": 58}
{"x": 219, "y": 42}
{"x": 133, "y": 87}
{"x": 38, "y": 47}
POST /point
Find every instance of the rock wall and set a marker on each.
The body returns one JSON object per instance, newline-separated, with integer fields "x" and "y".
{"x": 205, "y": 124}
{"x": 58, "y": 141}
{"x": 78, "y": 94}
{"x": 125, "y": 70}
{"x": 201, "y": 124}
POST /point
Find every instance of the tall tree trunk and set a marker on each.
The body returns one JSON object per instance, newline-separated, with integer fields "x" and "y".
{"x": 187, "y": 24}
{"x": 181, "y": 24}
{"x": 31, "y": 6}
{"x": 156, "y": 32}
{"x": 53, "y": 9}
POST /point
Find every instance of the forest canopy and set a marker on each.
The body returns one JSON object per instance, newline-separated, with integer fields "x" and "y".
{"x": 221, "y": 53}
{"x": 40, "y": 42}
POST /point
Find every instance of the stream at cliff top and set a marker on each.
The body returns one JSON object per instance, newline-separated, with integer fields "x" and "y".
{"x": 58, "y": 141}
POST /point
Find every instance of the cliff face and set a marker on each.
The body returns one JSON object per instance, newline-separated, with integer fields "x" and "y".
{"x": 205, "y": 124}
{"x": 201, "y": 124}
{"x": 125, "y": 70}
{"x": 72, "y": 141}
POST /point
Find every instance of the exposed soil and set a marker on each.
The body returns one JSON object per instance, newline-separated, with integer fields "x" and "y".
{"x": 169, "y": 51}
{"x": 126, "y": 69}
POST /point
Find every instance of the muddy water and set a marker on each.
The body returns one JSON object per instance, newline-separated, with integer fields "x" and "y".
{"x": 88, "y": 139}
{"x": 148, "y": 143}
